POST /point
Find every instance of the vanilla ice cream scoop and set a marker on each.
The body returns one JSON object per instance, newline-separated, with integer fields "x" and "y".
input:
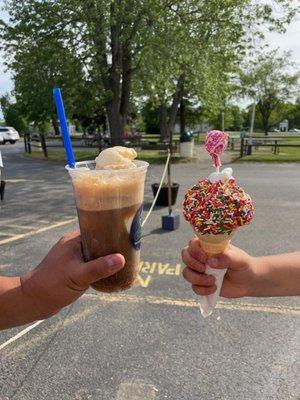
{"x": 117, "y": 157}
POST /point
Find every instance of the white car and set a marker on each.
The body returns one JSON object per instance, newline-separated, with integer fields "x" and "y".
{"x": 8, "y": 134}
{"x": 295, "y": 130}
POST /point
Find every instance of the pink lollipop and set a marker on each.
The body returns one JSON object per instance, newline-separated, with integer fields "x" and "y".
{"x": 215, "y": 143}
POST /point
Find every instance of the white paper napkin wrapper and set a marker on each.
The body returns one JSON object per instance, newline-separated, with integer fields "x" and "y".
{"x": 208, "y": 303}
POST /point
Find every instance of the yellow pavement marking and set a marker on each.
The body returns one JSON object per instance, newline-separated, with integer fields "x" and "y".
{"x": 265, "y": 308}
{"x": 148, "y": 269}
{"x": 36, "y": 231}
{"x": 123, "y": 298}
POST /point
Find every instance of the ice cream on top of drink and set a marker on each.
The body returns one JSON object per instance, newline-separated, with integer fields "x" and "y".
{"x": 114, "y": 182}
{"x": 117, "y": 157}
{"x": 217, "y": 205}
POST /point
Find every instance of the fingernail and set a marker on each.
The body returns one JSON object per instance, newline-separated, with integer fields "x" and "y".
{"x": 213, "y": 262}
{"x": 114, "y": 262}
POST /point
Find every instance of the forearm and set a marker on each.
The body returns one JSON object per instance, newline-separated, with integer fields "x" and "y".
{"x": 16, "y": 308}
{"x": 277, "y": 275}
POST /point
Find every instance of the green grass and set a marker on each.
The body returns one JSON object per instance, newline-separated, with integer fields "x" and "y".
{"x": 151, "y": 156}
{"x": 286, "y": 154}
{"x": 59, "y": 154}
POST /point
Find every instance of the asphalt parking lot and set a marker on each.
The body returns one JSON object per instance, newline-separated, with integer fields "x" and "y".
{"x": 150, "y": 342}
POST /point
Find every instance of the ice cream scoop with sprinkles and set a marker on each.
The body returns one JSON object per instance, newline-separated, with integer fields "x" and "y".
{"x": 217, "y": 208}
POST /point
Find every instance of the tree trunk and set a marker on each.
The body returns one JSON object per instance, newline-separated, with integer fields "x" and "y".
{"x": 166, "y": 125}
{"x": 163, "y": 122}
{"x": 43, "y": 144}
{"x": 104, "y": 126}
{"x": 176, "y": 101}
{"x": 174, "y": 108}
{"x": 265, "y": 120}
{"x": 55, "y": 125}
{"x": 110, "y": 72}
{"x": 126, "y": 83}
{"x": 115, "y": 122}
{"x": 182, "y": 116}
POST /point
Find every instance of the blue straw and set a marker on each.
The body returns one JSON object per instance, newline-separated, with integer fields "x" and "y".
{"x": 64, "y": 126}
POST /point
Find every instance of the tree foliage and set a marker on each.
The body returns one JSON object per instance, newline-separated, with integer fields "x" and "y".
{"x": 266, "y": 79}
{"x": 162, "y": 49}
{"x": 13, "y": 115}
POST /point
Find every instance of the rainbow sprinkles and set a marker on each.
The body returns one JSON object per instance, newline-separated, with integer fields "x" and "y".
{"x": 217, "y": 208}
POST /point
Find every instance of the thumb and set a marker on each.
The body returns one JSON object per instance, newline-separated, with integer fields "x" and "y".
{"x": 99, "y": 268}
{"x": 233, "y": 258}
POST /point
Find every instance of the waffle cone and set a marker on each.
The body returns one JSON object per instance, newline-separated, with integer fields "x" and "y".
{"x": 214, "y": 244}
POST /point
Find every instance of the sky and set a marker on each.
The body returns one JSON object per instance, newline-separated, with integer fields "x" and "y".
{"x": 289, "y": 41}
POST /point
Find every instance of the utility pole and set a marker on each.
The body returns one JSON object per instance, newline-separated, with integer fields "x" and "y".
{"x": 223, "y": 121}
{"x": 252, "y": 119}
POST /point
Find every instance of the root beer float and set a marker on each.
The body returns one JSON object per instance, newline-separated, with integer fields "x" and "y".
{"x": 109, "y": 196}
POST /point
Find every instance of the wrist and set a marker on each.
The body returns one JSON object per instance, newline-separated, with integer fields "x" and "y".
{"x": 15, "y": 306}
{"x": 35, "y": 297}
{"x": 258, "y": 280}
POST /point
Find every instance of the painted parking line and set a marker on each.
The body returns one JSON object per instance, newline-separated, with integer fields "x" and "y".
{"x": 125, "y": 298}
{"x": 17, "y": 180}
{"x": 264, "y": 308}
{"x": 64, "y": 322}
{"x": 36, "y": 231}
{"x": 26, "y": 227}
{"x": 5, "y": 266}
{"x": 7, "y": 234}
{"x": 20, "y": 334}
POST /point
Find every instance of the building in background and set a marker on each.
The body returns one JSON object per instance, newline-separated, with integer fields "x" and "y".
{"x": 284, "y": 126}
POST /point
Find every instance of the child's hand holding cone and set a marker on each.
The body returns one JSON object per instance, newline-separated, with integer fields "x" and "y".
{"x": 239, "y": 280}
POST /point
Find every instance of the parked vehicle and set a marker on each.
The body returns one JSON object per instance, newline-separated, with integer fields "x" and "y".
{"x": 35, "y": 137}
{"x": 295, "y": 130}
{"x": 8, "y": 134}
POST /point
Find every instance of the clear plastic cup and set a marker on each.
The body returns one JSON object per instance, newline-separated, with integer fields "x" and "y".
{"x": 109, "y": 206}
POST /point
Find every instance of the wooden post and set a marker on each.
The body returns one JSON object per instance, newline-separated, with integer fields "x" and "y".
{"x": 242, "y": 148}
{"x": 25, "y": 142}
{"x": 169, "y": 175}
{"x": 29, "y": 144}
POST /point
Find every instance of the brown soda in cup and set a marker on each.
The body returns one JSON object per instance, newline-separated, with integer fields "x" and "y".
{"x": 109, "y": 206}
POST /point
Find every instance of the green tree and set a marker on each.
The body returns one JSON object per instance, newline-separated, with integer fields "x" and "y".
{"x": 12, "y": 114}
{"x": 150, "y": 117}
{"x": 107, "y": 36}
{"x": 289, "y": 111}
{"x": 293, "y": 114}
{"x": 187, "y": 46}
{"x": 40, "y": 66}
{"x": 195, "y": 49}
{"x": 268, "y": 82}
